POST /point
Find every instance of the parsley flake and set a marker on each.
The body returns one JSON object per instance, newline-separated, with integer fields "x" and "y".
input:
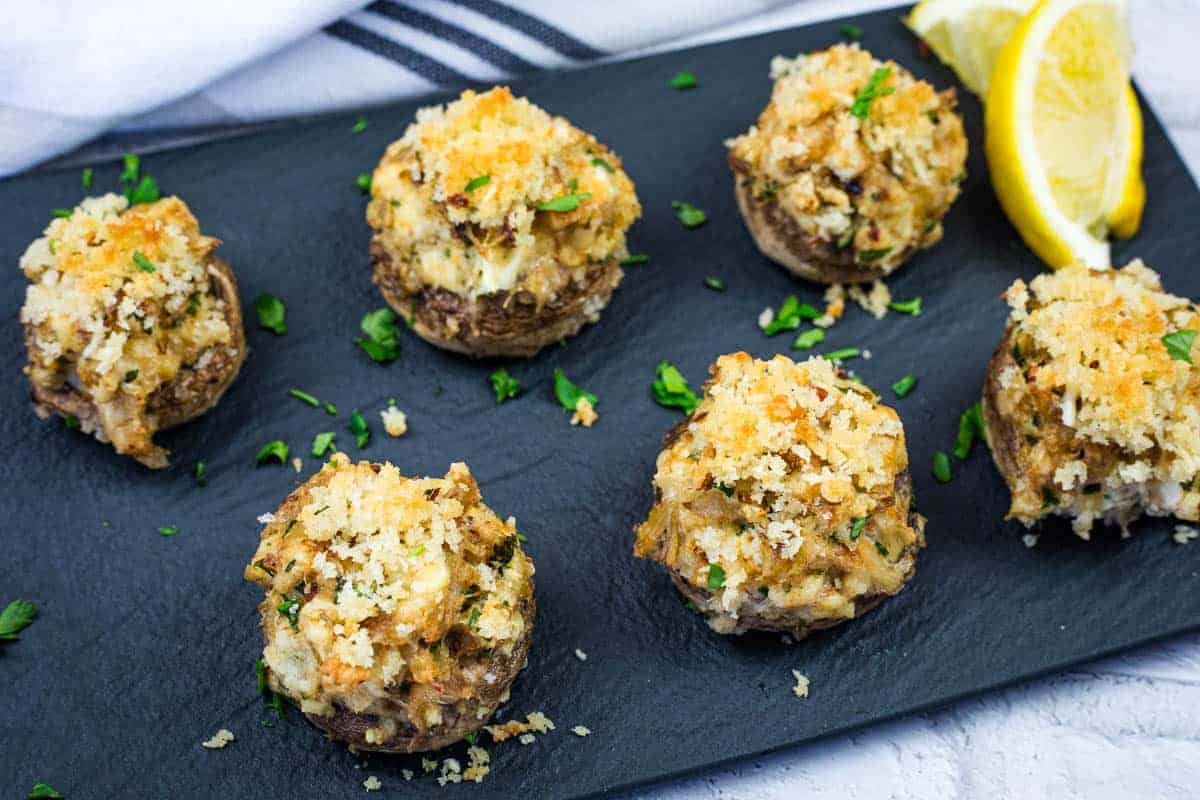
{"x": 905, "y": 385}
{"x": 873, "y": 89}
{"x": 941, "y": 467}
{"x": 856, "y": 528}
{"x": 789, "y": 316}
{"x": 358, "y": 426}
{"x": 289, "y": 607}
{"x": 475, "y": 183}
{"x": 200, "y": 473}
{"x": 809, "y": 339}
{"x": 970, "y": 427}
{"x": 275, "y": 449}
{"x": 330, "y": 409}
{"x": 716, "y": 577}
{"x": 911, "y": 307}
{"x": 271, "y": 313}
{"x": 683, "y": 80}
{"x": 869, "y": 256}
{"x": 851, "y": 32}
{"x": 168, "y": 530}
{"x": 44, "y": 791}
{"x": 640, "y": 258}
{"x": 141, "y": 262}
{"x": 715, "y": 283}
{"x": 688, "y": 214}
{"x": 567, "y": 202}
{"x": 363, "y": 182}
{"x": 360, "y": 125}
{"x": 602, "y": 164}
{"x": 16, "y": 617}
{"x": 322, "y": 443}
{"x": 381, "y": 342}
{"x": 62, "y": 213}
{"x": 86, "y": 177}
{"x": 844, "y": 354}
{"x": 568, "y": 394}
{"x": 305, "y": 397}
{"x": 504, "y": 385}
{"x": 1179, "y": 344}
{"x": 671, "y": 389}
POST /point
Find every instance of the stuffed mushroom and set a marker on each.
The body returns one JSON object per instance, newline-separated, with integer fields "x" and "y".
{"x": 498, "y": 228}
{"x": 850, "y": 168}
{"x": 131, "y": 323}
{"x": 784, "y": 502}
{"x": 1092, "y": 400}
{"x": 398, "y": 611}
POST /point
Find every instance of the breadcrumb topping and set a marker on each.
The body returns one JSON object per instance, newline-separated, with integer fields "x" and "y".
{"x": 1107, "y": 420}
{"x": 880, "y": 183}
{"x": 385, "y": 589}
{"x": 372, "y": 784}
{"x": 119, "y": 299}
{"x": 434, "y": 212}
{"x": 219, "y": 739}
{"x": 801, "y": 687}
{"x": 783, "y": 488}
{"x": 395, "y": 421}
{"x": 585, "y": 413}
{"x": 535, "y": 722}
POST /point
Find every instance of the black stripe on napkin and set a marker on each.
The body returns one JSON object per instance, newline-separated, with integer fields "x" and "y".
{"x": 485, "y": 49}
{"x": 544, "y": 32}
{"x": 428, "y": 68}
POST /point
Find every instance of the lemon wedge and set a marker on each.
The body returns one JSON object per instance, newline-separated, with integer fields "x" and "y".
{"x": 967, "y": 34}
{"x": 1063, "y": 131}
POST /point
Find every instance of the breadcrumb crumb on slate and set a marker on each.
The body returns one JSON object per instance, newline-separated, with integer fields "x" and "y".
{"x": 297, "y": 465}
{"x": 407, "y": 774}
{"x": 1030, "y": 539}
{"x": 265, "y": 519}
{"x": 428, "y": 764}
{"x": 526, "y": 738}
{"x": 451, "y": 772}
{"x": 535, "y": 721}
{"x": 585, "y": 413}
{"x": 801, "y": 687}
{"x": 1184, "y": 534}
{"x": 395, "y": 421}
{"x": 581, "y": 730}
{"x": 218, "y": 740}
{"x": 582, "y": 656}
{"x": 875, "y": 302}
{"x": 477, "y": 767}
{"x": 372, "y": 784}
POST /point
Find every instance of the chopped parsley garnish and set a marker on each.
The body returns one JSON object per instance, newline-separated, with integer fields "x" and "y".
{"x": 168, "y": 530}
{"x": 417, "y": 551}
{"x": 640, "y": 258}
{"x": 71, "y": 421}
{"x": 867, "y": 256}
{"x": 856, "y": 528}
{"x": 62, "y": 213}
{"x": 289, "y": 607}
{"x": 138, "y": 188}
{"x": 86, "y": 177}
{"x": 905, "y": 385}
{"x": 271, "y": 313}
{"x": 363, "y": 182}
{"x": 274, "y": 449}
{"x": 716, "y": 577}
{"x": 358, "y": 426}
{"x": 475, "y": 183}
{"x": 873, "y": 89}
{"x": 474, "y": 617}
{"x": 44, "y": 791}
{"x": 568, "y": 394}
{"x": 305, "y": 397}
{"x": 883, "y": 551}
{"x": 809, "y": 339}
{"x": 360, "y": 125}
{"x": 941, "y": 467}
{"x": 671, "y": 389}
{"x": 141, "y": 262}
{"x": 1179, "y": 344}
{"x": 330, "y": 409}
{"x": 970, "y": 427}
{"x": 851, "y": 32}
{"x": 1049, "y": 498}
{"x": 602, "y": 164}
{"x": 131, "y": 376}
{"x": 381, "y": 342}
{"x": 322, "y": 443}
{"x": 843, "y": 354}
{"x": 683, "y": 80}
{"x": 200, "y": 473}
{"x": 263, "y": 566}
{"x": 715, "y": 283}
{"x": 50, "y": 244}
{"x": 472, "y": 737}
{"x": 789, "y": 316}
{"x": 16, "y": 617}
{"x": 504, "y": 385}
{"x": 567, "y": 202}
{"x": 688, "y": 214}
{"x": 910, "y": 307}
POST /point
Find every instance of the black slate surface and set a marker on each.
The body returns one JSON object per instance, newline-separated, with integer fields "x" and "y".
{"x": 145, "y": 645}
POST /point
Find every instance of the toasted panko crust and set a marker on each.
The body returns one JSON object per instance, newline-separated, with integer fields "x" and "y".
{"x": 1088, "y": 414}
{"x": 129, "y": 350}
{"x": 483, "y": 269}
{"x": 792, "y": 481}
{"x": 398, "y": 610}
{"x": 836, "y": 198}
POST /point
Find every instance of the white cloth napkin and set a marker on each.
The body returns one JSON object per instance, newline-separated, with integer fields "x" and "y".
{"x": 71, "y": 70}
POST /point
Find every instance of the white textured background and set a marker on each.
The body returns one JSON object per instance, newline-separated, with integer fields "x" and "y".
{"x": 1126, "y": 727}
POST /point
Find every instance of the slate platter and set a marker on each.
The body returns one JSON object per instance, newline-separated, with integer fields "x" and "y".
{"x": 145, "y": 645}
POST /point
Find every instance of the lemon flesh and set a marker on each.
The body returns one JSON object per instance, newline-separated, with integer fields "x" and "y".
{"x": 968, "y": 34}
